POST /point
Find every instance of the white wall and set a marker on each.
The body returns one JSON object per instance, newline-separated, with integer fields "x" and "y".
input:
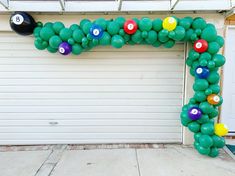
{"x": 216, "y": 19}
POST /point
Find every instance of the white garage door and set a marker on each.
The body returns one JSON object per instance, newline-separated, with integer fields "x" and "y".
{"x": 131, "y": 95}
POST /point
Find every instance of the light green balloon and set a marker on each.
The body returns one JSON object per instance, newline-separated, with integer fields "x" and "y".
{"x": 65, "y": 34}
{"x": 199, "y": 23}
{"x": 78, "y": 35}
{"x": 194, "y": 127}
{"x": 76, "y": 49}
{"x": 185, "y": 23}
{"x": 86, "y": 27}
{"x": 188, "y": 35}
{"x": 117, "y": 41}
{"x": 36, "y": 31}
{"x": 209, "y": 34}
{"x": 163, "y": 36}
{"x": 213, "y": 47}
{"x": 206, "y": 107}
{"x": 46, "y": 33}
{"x": 200, "y": 85}
{"x": 157, "y": 44}
{"x": 200, "y": 96}
{"x": 39, "y": 45}
{"x": 113, "y": 28}
{"x": 219, "y": 60}
{"x": 136, "y": 37}
{"x": 101, "y": 22}
{"x": 169, "y": 44}
{"x": 220, "y": 40}
{"x": 205, "y": 141}
{"x": 84, "y": 21}
{"x": 145, "y": 24}
{"x": 73, "y": 27}
{"x": 213, "y": 77}
{"x": 214, "y": 152}
{"x": 58, "y": 26}
{"x": 157, "y": 24}
{"x": 106, "y": 39}
{"x": 55, "y": 41}
{"x": 215, "y": 88}
{"x": 203, "y": 150}
{"x": 51, "y": 50}
{"x": 48, "y": 24}
{"x": 120, "y": 21}
{"x": 218, "y": 141}
{"x": 179, "y": 33}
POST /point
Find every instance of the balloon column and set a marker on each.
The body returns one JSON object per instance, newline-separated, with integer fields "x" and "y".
{"x": 203, "y": 59}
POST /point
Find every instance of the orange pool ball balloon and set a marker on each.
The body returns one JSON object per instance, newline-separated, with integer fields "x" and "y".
{"x": 213, "y": 99}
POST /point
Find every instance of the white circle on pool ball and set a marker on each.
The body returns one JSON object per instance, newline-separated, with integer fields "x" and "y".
{"x": 199, "y": 70}
{"x": 17, "y": 19}
{"x": 194, "y": 111}
{"x": 198, "y": 45}
{"x": 216, "y": 99}
{"x": 96, "y": 32}
{"x": 171, "y": 20}
{"x": 130, "y": 26}
{"x": 62, "y": 50}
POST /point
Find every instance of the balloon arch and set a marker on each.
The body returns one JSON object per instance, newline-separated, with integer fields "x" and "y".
{"x": 204, "y": 61}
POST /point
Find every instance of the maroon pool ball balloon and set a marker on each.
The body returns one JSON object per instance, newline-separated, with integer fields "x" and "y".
{"x": 65, "y": 48}
{"x": 194, "y": 113}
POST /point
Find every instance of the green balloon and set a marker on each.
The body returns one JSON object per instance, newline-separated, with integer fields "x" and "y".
{"x": 71, "y": 41}
{"x": 95, "y": 42}
{"x": 205, "y": 56}
{"x": 213, "y": 77}
{"x": 136, "y": 20}
{"x": 76, "y": 49}
{"x": 151, "y": 37}
{"x": 208, "y": 91}
{"x": 204, "y": 119}
{"x": 86, "y": 27}
{"x": 163, "y": 36}
{"x": 189, "y": 62}
{"x": 200, "y": 85}
{"x": 211, "y": 64}
{"x": 39, "y": 45}
{"x": 218, "y": 141}
{"x": 185, "y": 118}
{"x": 78, "y": 35}
{"x": 197, "y": 136}
{"x": 198, "y": 32}
{"x": 157, "y": 44}
{"x": 65, "y": 34}
{"x": 73, "y": 27}
{"x": 200, "y": 96}
{"x": 188, "y": 34}
{"x": 120, "y": 21}
{"x": 179, "y": 33}
{"x": 214, "y": 152}
{"x": 113, "y": 28}
{"x": 121, "y": 32}
{"x": 36, "y": 31}
{"x": 196, "y": 144}
{"x": 203, "y": 63}
{"x": 58, "y": 26}
{"x": 194, "y": 37}
{"x": 220, "y": 41}
{"x": 209, "y": 34}
{"x": 51, "y": 50}
{"x": 171, "y": 34}
{"x": 157, "y": 24}
{"x": 192, "y": 101}
{"x": 83, "y": 22}
{"x": 214, "y": 113}
{"x": 205, "y": 141}
{"x": 213, "y": 47}
{"x": 206, "y": 107}
{"x": 48, "y": 24}
{"x": 145, "y": 24}
{"x": 127, "y": 37}
{"x": 39, "y": 24}
{"x": 207, "y": 128}
{"x": 105, "y": 39}
{"x": 144, "y": 34}
{"x": 169, "y": 44}
{"x": 193, "y": 54}
{"x": 220, "y": 102}
{"x": 203, "y": 150}
{"x": 136, "y": 37}
{"x": 117, "y": 41}
{"x": 46, "y": 33}
{"x": 55, "y": 41}
{"x": 219, "y": 60}
{"x": 185, "y": 23}
{"x": 101, "y": 22}
{"x": 194, "y": 127}
{"x": 215, "y": 88}
{"x": 199, "y": 23}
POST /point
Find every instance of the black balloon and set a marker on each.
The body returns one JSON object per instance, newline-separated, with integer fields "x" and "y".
{"x": 22, "y": 23}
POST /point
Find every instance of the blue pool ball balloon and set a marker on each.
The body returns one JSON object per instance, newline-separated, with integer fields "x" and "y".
{"x": 202, "y": 72}
{"x": 96, "y": 31}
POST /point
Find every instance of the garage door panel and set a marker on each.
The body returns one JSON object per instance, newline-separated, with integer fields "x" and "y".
{"x": 102, "y": 96}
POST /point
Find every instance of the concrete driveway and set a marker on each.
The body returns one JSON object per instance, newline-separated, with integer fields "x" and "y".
{"x": 159, "y": 160}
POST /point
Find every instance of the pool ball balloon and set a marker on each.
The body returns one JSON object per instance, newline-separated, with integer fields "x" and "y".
{"x": 96, "y": 31}
{"x": 22, "y": 23}
{"x": 221, "y": 129}
{"x": 213, "y": 99}
{"x": 65, "y": 48}
{"x": 194, "y": 113}
{"x": 169, "y": 23}
{"x": 202, "y": 72}
{"x": 130, "y": 27}
{"x": 200, "y": 46}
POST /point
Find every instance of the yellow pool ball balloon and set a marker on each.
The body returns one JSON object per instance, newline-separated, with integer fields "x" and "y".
{"x": 221, "y": 129}
{"x": 169, "y": 23}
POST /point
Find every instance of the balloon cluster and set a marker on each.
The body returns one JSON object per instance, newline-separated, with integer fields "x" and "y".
{"x": 198, "y": 115}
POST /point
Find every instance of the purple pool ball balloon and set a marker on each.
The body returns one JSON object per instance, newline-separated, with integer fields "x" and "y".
{"x": 65, "y": 48}
{"x": 194, "y": 113}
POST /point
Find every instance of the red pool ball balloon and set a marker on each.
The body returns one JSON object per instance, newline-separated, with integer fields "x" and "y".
{"x": 200, "y": 46}
{"x": 130, "y": 27}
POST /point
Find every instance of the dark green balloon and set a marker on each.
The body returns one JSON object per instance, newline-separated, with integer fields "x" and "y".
{"x": 157, "y": 24}
{"x": 194, "y": 127}
{"x": 120, "y": 21}
{"x": 117, "y": 41}
{"x": 207, "y": 128}
{"x": 197, "y": 136}
{"x": 206, "y": 107}
{"x": 199, "y": 23}
{"x": 188, "y": 34}
{"x": 76, "y": 49}
{"x": 86, "y": 27}
{"x": 211, "y": 64}
{"x": 179, "y": 33}
{"x": 65, "y": 34}
{"x": 71, "y": 41}
{"x": 203, "y": 150}
{"x": 209, "y": 34}
{"x": 157, "y": 44}
{"x": 74, "y": 27}
{"x": 193, "y": 54}
{"x": 101, "y": 22}
{"x": 208, "y": 91}
{"x": 185, "y": 23}
{"x": 151, "y": 37}
{"x": 218, "y": 141}
{"x": 214, "y": 152}
{"x": 214, "y": 113}
{"x": 204, "y": 119}
{"x": 145, "y": 24}
{"x": 55, "y": 41}
{"x": 46, "y": 33}
{"x": 220, "y": 41}
{"x": 169, "y": 44}
{"x": 196, "y": 144}
{"x": 200, "y": 85}
{"x": 48, "y": 24}
{"x": 219, "y": 60}
{"x": 127, "y": 37}
{"x": 105, "y": 39}
{"x": 83, "y": 22}
{"x": 39, "y": 45}
{"x": 136, "y": 20}
{"x": 213, "y": 77}
{"x": 163, "y": 36}
{"x": 144, "y": 34}
{"x": 36, "y": 31}
{"x": 198, "y": 32}
{"x": 200, "y": 96}
{"x": 184, "y": 118}
{"x": 205, "y": 56}
{"x": 113, "y": 28}
{"x": 136, "y": 37}
{"x": 215, "y": 88}
{"x": 205, "y": 141}
{"x": 213, "y": 47}
{"x": 78, "y": 35}
{"x": 51, "y": 50}
{"x": 58, "y": 26}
